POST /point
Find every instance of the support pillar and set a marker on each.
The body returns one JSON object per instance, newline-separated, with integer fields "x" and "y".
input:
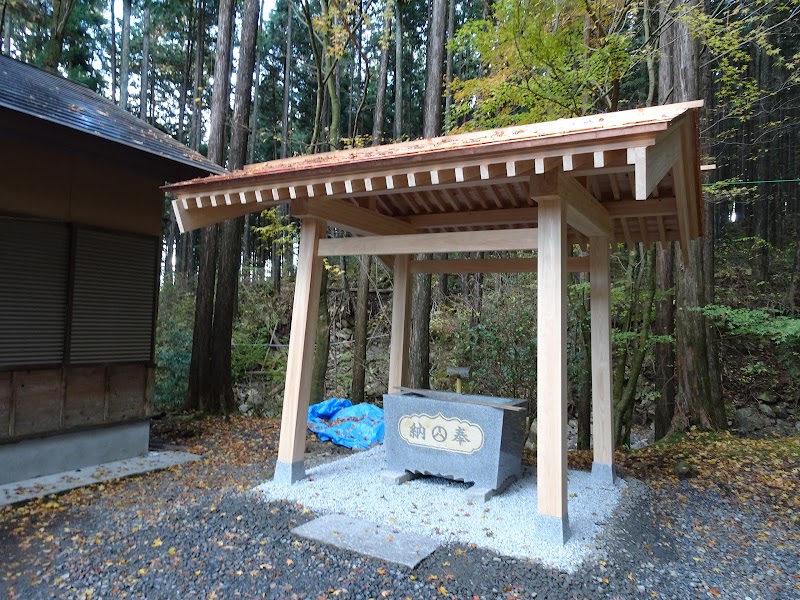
{"x": 401, "y": 312}
{"x": 291, "y": 448}
{"x": 602, "y": 399}
{"x": 551, "y": 349}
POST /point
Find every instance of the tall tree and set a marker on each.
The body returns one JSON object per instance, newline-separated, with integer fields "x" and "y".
{"x": 145, "y": 72}
{"x": 699, "y": 400}
{"x": 198, "y": 82}
{"x": 398, "y": 73}
{"x": 664, "y": 346}
{"x": 230, "y": 245}
{"x": 277, "y": 254}
{"x": 62, "y": 9}
{"x": 360, "y": 332}
{"x": 125, "y": 59}
{"x": 199, "y": 394}
{"x": 113, "y": 48}
{"x": 383, "y": 72}
{"x": 451, "y": 31}
{"x": 419, "y": 365}
{"x": 287, "y": 83}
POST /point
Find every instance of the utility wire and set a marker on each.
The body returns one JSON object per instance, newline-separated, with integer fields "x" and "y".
{"x": 752, "y": 182}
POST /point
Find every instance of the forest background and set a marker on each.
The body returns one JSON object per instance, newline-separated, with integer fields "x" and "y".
{"x": 711, "y": 343}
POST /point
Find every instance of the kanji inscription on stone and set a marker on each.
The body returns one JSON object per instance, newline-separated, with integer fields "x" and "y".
{"x": 441, "y": 433}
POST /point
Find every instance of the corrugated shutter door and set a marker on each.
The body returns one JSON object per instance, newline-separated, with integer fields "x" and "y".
{"x": 112, "y": 305}
{"x": 34, "y": 260}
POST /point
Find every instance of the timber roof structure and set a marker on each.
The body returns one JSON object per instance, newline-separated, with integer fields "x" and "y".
{"x": 27, "y": 90}
{"x": 634, "y": 174}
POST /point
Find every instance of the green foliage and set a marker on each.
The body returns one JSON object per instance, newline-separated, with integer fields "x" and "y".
{"x": 173, "y": 347}
{"x": 764, "y": 323}
{"x": 258, "y": 333}
{"x": 276, "y": 229}
{"x": 499, "y": 344}
{"x": 539, "y": 65}
{"x": 733, "y": 35}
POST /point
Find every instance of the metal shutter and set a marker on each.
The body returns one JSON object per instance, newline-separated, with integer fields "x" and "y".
{"x": 112, "y": 304}
{"x": 34, "y": 260}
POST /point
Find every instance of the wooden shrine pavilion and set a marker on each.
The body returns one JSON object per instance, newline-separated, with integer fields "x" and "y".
{"x": 625, "y": 177}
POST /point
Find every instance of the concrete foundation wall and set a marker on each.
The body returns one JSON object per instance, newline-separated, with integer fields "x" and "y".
{"x": 44, "y": 456}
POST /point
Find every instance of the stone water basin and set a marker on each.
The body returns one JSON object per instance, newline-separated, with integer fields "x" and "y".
{"x": 469, "y": 438}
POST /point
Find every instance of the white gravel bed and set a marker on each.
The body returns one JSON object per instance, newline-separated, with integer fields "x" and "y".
{"x": 438, "y": 508}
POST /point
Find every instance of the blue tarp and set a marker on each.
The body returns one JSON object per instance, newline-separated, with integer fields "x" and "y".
{"x": 338, "y": 421}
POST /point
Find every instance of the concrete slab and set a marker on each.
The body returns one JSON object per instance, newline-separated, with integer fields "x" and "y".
{"x": 36, "y": 487}
{"x": 378, "y": 541}
{"x": 52, "y": 454}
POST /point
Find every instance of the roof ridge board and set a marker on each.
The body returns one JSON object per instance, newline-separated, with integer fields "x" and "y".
{"x": 528, "y": 132}
{"x": 361, "y": 169}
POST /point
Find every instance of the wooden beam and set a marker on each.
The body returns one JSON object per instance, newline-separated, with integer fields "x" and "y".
{"x": 652, "y": 163}
{"x": 487, "y": 218}
{"x": 291, "y": 447}
{"x": 357, "y": 220}
{"x": 491, "y": 265}
{"x": 551, "y": 368}
{"x": 456, "y": 241}
{"x": 401, "y": 321}
{"x": 661, "y": 207}
{"x": 196, "y": 218}
{"x": 529, "y": 215}
{"x": 584, "y": 211}
{"x": 685, "y": 200}
{"x": 602, "y": 400}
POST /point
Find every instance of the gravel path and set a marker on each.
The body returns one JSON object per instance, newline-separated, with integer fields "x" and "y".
{"x": 191, "y": 533}
{"x": 442, "y": 510}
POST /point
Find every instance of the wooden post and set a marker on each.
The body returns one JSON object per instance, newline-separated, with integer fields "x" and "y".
{"x": 290, "y": 466}
{"x": 401, "y": 310}
{"x": 551, "y": 446}
{"x": 602, "y": 403}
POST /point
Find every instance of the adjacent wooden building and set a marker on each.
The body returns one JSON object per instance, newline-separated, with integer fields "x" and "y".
{"x": 625, "y": 177}
{"x": 81, "y": 214}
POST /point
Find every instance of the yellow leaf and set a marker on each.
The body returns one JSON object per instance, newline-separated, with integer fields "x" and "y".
{"x": 171, "y": 551}
{"x": 156, "y": 543}
{"x": 142, "y": 572}
{"x": 381, "y": 571}
{"x": 442, "y": 590}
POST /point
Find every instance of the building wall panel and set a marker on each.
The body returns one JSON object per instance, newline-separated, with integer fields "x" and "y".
{"x": 51, "y": 184}
{"x": 127, "y": 392}
{"x": 34, "y": 262}
{"x": 5, "y": 403}
{"x": 37, "y": 401}
{"x": 84, "y": 403}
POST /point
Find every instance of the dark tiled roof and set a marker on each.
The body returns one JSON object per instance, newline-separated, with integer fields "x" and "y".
{"x": 29, "y": 90}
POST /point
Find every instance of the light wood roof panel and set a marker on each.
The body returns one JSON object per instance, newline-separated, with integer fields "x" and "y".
{"x": 628, "y": 161}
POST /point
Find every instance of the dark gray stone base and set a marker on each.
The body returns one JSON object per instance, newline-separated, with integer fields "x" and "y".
{"x": 482, "y": 494}
{"x": 289, "y": 473}
{"x": 398, "y": 477}
{"x": 44, "y": 456}
{"x": 356, "y": 535}
{"x": 553, "y": 530}
{"x": 604, "y": 474}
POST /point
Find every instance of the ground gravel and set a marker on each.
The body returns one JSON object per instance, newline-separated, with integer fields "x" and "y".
{"x": 180, "y": 534}
{"x": 442, "y": 509}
